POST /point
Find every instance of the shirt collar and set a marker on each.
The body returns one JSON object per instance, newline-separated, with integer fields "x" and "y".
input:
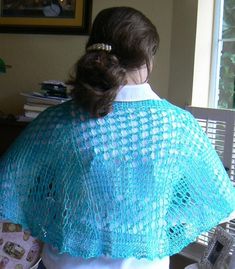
{"x": 136, "y": 92}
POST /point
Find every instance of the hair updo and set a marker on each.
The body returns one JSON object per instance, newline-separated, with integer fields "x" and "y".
{"x": 99, "y": 73}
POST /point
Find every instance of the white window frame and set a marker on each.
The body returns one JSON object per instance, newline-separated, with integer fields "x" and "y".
{"x": 216, "y": 54}
{"x": 203, "y": 52}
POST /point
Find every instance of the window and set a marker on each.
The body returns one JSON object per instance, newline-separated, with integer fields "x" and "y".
{"x": 222, "y": 90}
{"x": 214, "y": 87}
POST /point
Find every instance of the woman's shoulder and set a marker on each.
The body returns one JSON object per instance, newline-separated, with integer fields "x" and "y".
{"x": 182, "y": 112}
{"x": 50, "y": 124}
{"x": 55, "y": 114}
{"x": 166, "y": 109}
{"x": 62, "y": 109}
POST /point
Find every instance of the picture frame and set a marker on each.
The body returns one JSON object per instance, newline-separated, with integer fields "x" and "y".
{"x": 217, "y": 251}
{"x": 45, "y": 16}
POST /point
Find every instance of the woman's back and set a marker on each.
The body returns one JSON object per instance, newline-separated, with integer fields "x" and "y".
{"x": 121, "y": 185}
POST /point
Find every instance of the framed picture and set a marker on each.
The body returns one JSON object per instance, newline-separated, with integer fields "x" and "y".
{"x": 218, "y": 250}
{"x": 45, "y": 16}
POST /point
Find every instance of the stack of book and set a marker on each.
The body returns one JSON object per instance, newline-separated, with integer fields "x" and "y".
{"x": 51, "y": 93}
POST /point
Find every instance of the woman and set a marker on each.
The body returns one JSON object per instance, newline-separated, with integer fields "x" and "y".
{"x": 117, "y": 177}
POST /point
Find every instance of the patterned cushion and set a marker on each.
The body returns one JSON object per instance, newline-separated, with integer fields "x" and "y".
{"x": 18, "y": 249}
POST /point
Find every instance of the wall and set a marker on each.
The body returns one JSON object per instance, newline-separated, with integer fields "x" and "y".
{"x": 40, "y": 57}
{"x": 182, "y": 51}
{"x": 34, "y": 59}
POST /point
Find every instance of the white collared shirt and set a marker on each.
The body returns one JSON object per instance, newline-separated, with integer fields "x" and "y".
{"x": 50, "y": 257}
{"x": 138, "y": 92}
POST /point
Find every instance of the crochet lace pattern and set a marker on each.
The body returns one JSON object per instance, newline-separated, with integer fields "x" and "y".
{"x": 143, "y": 181}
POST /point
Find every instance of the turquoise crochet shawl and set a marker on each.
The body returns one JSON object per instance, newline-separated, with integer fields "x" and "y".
{"x": 143, "y": 181}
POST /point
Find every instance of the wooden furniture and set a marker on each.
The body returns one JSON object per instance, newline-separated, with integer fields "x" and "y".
{"x": 9, "y": 130}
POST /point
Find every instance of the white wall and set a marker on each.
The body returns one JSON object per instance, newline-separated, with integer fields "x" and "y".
{"x": 40, "y": 57}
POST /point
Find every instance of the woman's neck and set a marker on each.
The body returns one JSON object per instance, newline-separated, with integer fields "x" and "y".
{"x": 137, "y": 76}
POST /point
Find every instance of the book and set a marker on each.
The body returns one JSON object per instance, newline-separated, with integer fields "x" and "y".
{"x": 31, "y": 114}
{"x": 46, "y": 95}
{"x": 41, "y": 99}
{"x": 44, "y": 101}
{"x": 54, "y": 88}
{"x": 35, "y": 107}
{"x": 22, "y": 118}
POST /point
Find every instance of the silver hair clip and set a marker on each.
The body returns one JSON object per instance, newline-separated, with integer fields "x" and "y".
{"x": 100, "y": 46}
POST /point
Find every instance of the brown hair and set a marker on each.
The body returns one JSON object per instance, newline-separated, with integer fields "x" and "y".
{"x": 99, "y": 73}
